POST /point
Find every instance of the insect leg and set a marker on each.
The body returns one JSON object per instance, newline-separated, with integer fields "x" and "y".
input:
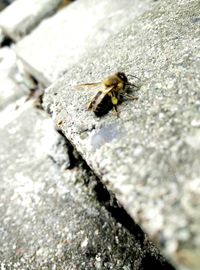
{"x": 130, "y": 97}
{"x": 134, "y": 85}
{"x": 116, "y": 112}
{"x": 114, "y": 101}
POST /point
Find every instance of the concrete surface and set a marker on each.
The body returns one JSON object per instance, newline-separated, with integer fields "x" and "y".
{"x": 62, "y": 40}
{"x": 48, "y": 219}
{"x": 22, "y": 16}
{"x": 149, "y": 156}
{"x": 54, "y": 214}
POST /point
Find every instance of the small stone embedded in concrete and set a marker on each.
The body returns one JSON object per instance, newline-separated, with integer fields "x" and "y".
{"x": 154, "y": 168}
{"x": 10, "y": 90}
{"x": 22, "y": 16}
{"x": 56, "y": 147}
{"x": 76, "y": 30}
{"x": 106, "y": 135}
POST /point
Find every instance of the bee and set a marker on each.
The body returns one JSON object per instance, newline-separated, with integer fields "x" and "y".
{"x": 109, "y": 93}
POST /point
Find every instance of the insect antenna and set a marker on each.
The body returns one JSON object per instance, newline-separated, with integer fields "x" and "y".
{"x": 132, "y": 84}
{"x": 133, "y": 76}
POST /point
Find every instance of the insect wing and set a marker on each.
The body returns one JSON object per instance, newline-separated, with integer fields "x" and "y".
{"x": 90, "y": 86}
{"x": 94, "y": 100}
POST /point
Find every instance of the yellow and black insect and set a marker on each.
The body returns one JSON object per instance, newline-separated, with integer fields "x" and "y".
{"x": 109, "y": 93}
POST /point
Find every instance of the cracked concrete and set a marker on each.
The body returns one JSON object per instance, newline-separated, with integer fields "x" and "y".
{"x": 149, "y": 157}
{"x": 49, "y": 214}
{"x": 48, "y": 218}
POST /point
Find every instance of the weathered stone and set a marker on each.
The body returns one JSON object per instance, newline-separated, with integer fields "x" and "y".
{"x": 62, "y": 40}
{"x": 10, "y": 90}
{"x": 47, "y": 218}
{"x": 149, "y": 156}
{"x": 22, "y": 16}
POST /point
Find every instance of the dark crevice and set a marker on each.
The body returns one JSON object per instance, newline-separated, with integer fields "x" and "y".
{"x": 6, "y": 42}
{"x": 122, "y": 217}
{"x": 149, "y": 262}
{"x": 36, "y": 92}
{"x": 109, "y": 201}
{"x": 8, "y": 2}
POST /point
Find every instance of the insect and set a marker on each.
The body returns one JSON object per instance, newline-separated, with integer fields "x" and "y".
{"x": 109, "y": 93}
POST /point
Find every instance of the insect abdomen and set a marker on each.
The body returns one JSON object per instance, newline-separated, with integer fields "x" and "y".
{"x": 103, "y": 107}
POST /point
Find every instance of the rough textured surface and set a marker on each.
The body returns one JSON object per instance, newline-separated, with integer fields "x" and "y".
{"x": 149, "y": 157}
{"x": 22, "y": 16}
{"x": 10, "y": 90}
{"x": 76, "y": 30}
{"x": 47, "y": 218}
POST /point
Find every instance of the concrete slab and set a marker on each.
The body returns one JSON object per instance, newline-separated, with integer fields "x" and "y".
{"x": 18, "y": 19}
{"x": 47, "y": 218}
{"x": 149, "y": 156}
{"x": 62, "y": 40}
